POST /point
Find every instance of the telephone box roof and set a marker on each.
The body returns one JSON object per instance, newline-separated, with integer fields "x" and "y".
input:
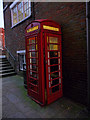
{"x": 44, "y": 25}
{"x": 42, "y": 20}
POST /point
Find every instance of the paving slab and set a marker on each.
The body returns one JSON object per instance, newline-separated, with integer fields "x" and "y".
{"x": 17, "y": 104}
{"x": 12, "y": 98}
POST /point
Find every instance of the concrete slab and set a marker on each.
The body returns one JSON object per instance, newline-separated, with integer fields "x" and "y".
{"x": 12, "y": 98}
{"x": 16, "y": 103}
{"x": 17, "y": 115}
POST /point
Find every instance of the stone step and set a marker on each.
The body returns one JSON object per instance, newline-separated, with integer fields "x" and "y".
{"x": 7, "y": 70}
{"x": 4, "y": 62}
{"x": 2, "y": 56}
{"x": 7, "y": 74}
{"x": 3, "y": 59}
{"x": 6, "y": 67}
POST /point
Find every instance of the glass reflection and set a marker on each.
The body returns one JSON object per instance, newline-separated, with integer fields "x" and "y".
{"x": 53, "y": 47}
{"x": 53, "y": 54}
{"x": 54, "y": 82}
{"x": 34, "y": 68}
{"x": 33, "y": 74}
{"x": 54, "y": 68}
{"x": 35, "y": 82}
{"x": 53, "y": 39}
{"x": 54, "y": 75}
{"x": 53, "y": 61}
{"x": 54, "y": 89}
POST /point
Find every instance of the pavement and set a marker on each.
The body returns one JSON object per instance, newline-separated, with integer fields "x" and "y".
{"x": 16, "y": 103}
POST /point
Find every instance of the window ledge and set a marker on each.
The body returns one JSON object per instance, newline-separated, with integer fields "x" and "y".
{"x": 20, "y": 21}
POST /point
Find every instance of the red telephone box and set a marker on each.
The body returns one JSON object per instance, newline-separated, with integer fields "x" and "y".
{"x": 44, "y": 61}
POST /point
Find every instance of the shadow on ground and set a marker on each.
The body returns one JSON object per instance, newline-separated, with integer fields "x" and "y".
{"x": 16, "y": 103}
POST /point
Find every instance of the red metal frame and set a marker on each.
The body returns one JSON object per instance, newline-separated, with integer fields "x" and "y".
{"x": 37, "y": 90}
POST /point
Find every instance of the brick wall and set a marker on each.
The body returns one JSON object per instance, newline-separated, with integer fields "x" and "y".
{"x": 72, "y": 18}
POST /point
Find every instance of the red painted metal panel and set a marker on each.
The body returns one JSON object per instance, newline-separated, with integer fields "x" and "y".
{"x": 41, "y": 87}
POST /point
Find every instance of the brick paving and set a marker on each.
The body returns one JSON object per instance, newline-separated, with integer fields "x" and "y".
{"x": 16, "y": 103}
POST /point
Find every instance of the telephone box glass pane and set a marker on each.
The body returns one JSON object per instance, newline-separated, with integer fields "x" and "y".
{"x": 53, "y": 47}
{"x": 34, "y": 67}
{"x": 34, "y": 60}
{"x": 53, "y": 61}
{"x": 33, "y": 74}
{"x": 31, "y": 40}
{"x": 33, "y": 54}
{"x": 53, "y": 54}
{"x": 53, "y": 40}
{"x": 32, "y": 47}
{"x": 55, "y": 89}
{"x": 54, "y": 68}
{"x": 55, "y": 82}
{"x": 54, "y": 75}
{"x": 34, "y": 81}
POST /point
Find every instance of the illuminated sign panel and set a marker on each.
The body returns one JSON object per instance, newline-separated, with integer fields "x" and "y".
{"x": 32, "y": 29}
{"x": 50, "y": 28}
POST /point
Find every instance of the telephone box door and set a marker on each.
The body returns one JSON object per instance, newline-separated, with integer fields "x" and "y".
{"x": 53, "y": 67}
{"x": 34, "y": 80}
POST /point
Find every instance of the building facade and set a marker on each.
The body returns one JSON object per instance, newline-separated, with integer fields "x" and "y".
{"x": 72, "y": 18}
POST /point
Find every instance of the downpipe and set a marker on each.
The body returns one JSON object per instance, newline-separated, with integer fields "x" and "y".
{"x": 88, "y": 56}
